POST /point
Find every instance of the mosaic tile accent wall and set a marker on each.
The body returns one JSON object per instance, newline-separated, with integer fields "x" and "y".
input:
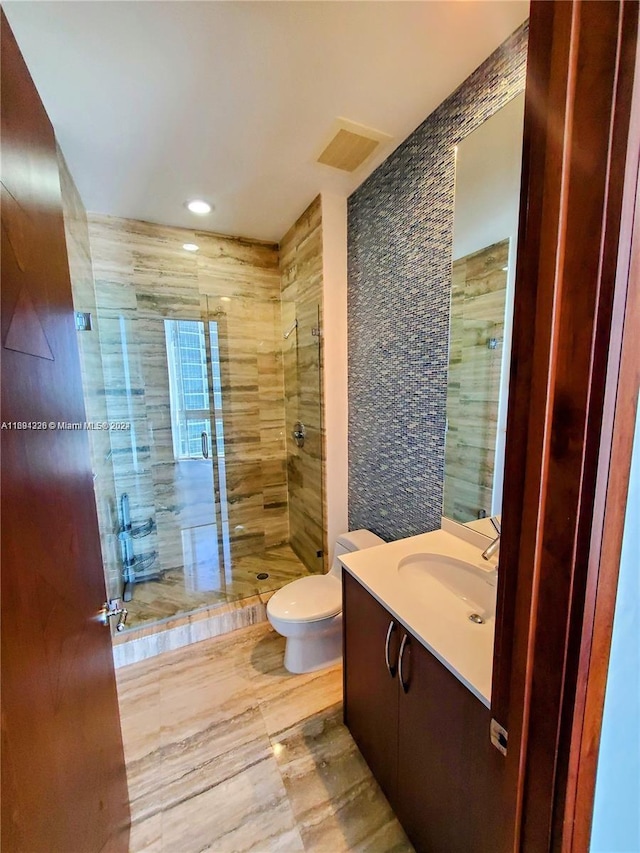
{"x": 400, "y": 236}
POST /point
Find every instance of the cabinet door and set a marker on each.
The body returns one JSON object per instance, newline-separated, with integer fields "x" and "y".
{"x": 449, "y": 775}
{"x": 370, "y": 690}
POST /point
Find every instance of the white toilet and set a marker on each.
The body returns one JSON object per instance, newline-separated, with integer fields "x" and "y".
{"x": 308, "y": 612}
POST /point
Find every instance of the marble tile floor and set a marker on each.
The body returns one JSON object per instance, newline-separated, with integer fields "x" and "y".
{"x": 156, "y": 600}
{"x": 226, "y": 751}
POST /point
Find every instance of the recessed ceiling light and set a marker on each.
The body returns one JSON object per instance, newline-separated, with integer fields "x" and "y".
{"x": 190, "y": 247}
{"x": 197, "y": 205}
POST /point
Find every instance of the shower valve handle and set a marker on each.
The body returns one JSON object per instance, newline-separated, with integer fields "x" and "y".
{"x": 299, "y": 433}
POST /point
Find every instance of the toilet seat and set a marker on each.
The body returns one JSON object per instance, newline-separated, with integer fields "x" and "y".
{"x": 307, "y": 599}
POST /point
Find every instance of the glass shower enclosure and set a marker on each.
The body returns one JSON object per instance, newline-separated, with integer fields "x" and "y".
{"x": 211, "y": 489}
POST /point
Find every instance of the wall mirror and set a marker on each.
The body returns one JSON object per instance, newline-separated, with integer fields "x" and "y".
{"x": 487, "y": 198}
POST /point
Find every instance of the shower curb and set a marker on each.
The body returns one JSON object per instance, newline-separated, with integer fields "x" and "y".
{"x": 179, "y": 631}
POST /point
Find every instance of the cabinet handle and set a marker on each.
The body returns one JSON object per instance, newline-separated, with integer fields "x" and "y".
{"x": 390, "y": 667}
{"x": 405, "y": 685}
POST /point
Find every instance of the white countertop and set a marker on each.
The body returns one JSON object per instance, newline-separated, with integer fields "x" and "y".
{"x": 440, "y": 620}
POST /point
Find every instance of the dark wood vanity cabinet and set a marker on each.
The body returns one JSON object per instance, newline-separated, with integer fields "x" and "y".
{"x": 372, "y": 709}
{"x": 427, "y": 742}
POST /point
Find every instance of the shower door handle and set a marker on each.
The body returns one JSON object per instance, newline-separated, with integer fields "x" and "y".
{"x": 205, "y": 445}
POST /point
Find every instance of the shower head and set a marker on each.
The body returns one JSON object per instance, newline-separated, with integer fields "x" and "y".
{"x": 293, "y": 326}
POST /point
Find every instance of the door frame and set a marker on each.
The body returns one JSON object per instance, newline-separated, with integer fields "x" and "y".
{"x": 610, "y": 500}
{"x": 573, "y": 398}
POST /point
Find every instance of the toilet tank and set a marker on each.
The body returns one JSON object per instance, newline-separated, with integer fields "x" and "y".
{"x": 354, "y": 540}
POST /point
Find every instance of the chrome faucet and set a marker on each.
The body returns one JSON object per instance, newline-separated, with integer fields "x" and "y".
{"x": 491, "y": 549}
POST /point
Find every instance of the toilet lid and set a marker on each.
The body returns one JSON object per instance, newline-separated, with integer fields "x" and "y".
{"x": 307, "y": 599}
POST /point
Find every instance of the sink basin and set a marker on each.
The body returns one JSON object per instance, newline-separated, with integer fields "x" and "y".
{"x": 429, "y": 574}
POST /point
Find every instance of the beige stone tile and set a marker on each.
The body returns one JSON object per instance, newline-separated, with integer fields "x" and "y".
{"x": 161, "y": 600}
{"x": 473, "y": 390}
{"x": 284, "y": 698}
{"x": 139, "y": 697}
{"x": 198, "y": 692}
{"x": 241, "y": 282}
{"x": 216, "y": 779}
{"x": 250, "y": 757}
{"x": 154, "y": 639}
{"x": 301, "y": 270}
{"x": 212, "y": 756}
{"x": 249, "y": 811}
{"x": 146, "y": 835}
{"x": 336, "y": 802}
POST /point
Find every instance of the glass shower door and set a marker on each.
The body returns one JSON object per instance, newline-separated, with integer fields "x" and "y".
{"x": 235, "y": 431}
{"x": 155, "y": 380}
{"x": 302, "y": 352}
{"x": 190, "y": 476}
{"x": 245, "y": 343}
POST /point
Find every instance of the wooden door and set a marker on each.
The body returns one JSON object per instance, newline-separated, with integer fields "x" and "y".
{"x": 449, "y": 775}
{"x": 370, "y": 690}
{"x": 63, "y": 775}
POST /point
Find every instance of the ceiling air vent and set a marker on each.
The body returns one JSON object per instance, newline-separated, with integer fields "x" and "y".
{"x": 350, "y": 145}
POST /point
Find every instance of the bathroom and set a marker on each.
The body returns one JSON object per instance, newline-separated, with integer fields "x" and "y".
{"x": 342, "y": 364}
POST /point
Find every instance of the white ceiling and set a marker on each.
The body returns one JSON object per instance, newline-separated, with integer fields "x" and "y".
{"x": 157, "y": 102}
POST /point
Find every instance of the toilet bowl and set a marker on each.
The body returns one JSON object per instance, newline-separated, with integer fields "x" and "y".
{"x": 308, "y": 611}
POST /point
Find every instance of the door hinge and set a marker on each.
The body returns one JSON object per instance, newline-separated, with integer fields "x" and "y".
{"x": 83, "y": 321}
{"x": 499, "y": 736}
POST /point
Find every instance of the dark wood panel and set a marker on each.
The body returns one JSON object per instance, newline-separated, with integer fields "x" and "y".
{"x": 581, "y": 65}
{"x": 523, "y": 395}
{"x": 63, "y": 775}
{"x": 370, "y": 693}
{"x": 583, "y": 721}
{"x": 449, "y": 774}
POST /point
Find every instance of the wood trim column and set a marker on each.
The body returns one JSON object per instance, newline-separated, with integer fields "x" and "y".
{"x": 620, "y": 412}
{"x": 569, "y": 279}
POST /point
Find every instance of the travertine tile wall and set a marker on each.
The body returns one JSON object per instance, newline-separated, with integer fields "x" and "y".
{"x": 478, "y": 293}
{"x": 400, "y": 236}
{"x": 125, "y": 385}
{"x": 144, "y": 276}
{"x": 89, "y": 343}
{"x": 301, "y": 270}
{"x": 240, "y": 283}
